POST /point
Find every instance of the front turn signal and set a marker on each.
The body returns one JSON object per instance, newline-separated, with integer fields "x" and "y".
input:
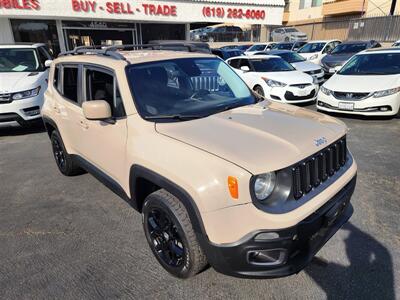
{"x": 233, "y": 187}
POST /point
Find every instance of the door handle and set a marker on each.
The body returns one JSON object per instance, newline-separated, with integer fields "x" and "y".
{"x": 84, "y": 124}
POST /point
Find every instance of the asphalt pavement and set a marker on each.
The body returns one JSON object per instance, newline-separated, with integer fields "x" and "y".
{"x": 72, "y": 238}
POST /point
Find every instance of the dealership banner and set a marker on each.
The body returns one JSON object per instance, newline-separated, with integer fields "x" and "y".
{"x": 267, "y": 12}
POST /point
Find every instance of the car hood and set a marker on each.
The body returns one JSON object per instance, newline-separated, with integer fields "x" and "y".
{"x": 362, "y": 84}
{"x": 337, "y": 59}
{"x": 291, "y": 77}
{"x": 11, "y": 82}
{"x": 259, "y": 138}
{"x": 305, "y": 66}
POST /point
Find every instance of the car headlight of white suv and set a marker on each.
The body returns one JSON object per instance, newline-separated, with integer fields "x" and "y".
{"x": 264, "y": 185}
{"x": 385, "y": 93}
{"x": 26, "y": 94}
{"x": 274, "y": 83}
{"x": 315, "y": 56}
{"x": 325, "y": 91}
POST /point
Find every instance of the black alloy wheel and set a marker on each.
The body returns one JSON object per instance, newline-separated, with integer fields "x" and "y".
{"x": 165, "y": 237}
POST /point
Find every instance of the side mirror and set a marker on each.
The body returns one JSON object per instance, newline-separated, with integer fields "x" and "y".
{"x": 97, "y": 110}
{"x": 337, "y": 69}
{"x": 48, "y": 63}
{"x": 245, "y": 68}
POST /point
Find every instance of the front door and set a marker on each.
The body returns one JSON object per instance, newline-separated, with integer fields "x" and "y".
{"x": 103, "y": 143}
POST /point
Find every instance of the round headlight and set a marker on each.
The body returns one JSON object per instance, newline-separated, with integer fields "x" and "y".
{"x": 264, "y": 185}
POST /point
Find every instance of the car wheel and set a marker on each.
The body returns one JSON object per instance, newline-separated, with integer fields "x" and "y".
{"x": 259, "y": 90}
{"x": 170, "y": 235}
{"x": 64, "y": 161}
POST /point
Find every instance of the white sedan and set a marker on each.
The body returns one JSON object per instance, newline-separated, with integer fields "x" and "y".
{"x": 316, "y": 50}
{"x": 275, "y": 79}
{"x": 260, "y": 47}
{"x": 368, "y": 84}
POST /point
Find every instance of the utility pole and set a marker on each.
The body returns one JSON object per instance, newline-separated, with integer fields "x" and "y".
{"x": 393, "y": 7}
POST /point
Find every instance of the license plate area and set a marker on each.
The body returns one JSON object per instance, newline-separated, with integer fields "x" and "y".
{"x": 346, "y": 106}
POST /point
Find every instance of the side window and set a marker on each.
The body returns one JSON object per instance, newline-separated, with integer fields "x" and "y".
{"x": 42, "y": 56}
{"x": 56, "y": 77}
{"x": 101, "y": 86}
{"x": 235, "y": 63}
{"x": 70, "y": 83}
{"x": 245, "y": 62}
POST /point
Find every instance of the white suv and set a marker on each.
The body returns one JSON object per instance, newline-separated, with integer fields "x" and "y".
{"x": 23, "y": 81}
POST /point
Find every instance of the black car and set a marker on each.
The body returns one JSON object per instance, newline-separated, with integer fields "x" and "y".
{"x": 343, "y": 52}
{"x": 292, "y": 46}
{"x": 226, "y": 53}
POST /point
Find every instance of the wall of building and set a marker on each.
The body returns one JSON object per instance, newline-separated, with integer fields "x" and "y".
{"x": 309, "y": 14}
{"x": 6, "y": 36}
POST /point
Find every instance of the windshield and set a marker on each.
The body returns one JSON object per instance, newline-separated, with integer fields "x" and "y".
{"x": 291, "y": 30}
{"x": 291, "y": 57}
{"x": 372, "y": 64}
{"x": 271, "y": 65}
{"x": 257, "y": 48}
{"x": 349, "y": 48}
{"x": 312, "y": 47}
{"x": 187, "y": 88}
{"x": 18, "y": 60}
{"x": 285, "y": 46}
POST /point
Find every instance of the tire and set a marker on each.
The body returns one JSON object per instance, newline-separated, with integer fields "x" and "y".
{"x": 64, "y": 161}
{"x": 164, "y": 216}
{"x": 259, "y": 90}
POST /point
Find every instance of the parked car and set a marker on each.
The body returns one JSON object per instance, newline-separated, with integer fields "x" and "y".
{"x": 216, "y": 175}
{"x": 224, "y": 34}
{"x": 288, "y": 34}
{"x": 396, "y": 44}
{"x": 226, "y": 53}
{"x": 23, "y": 81}
{"x": 293, "y": 46}
{"x": 259, "y": 47}
{"x": 368, "y": 84}
{"x": 237, "y": 47}
{"x": 274, "y": 78}
{"x": 316, "y": 50}
{"x": 300, "y": 63}
{"x": 338, "y": 56}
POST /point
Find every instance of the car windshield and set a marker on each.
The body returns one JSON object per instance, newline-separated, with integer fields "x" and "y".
{"x": 372, "y": 64}
{"x": 274, "y": 64}
{"x": 349, "y": 48}
{"x": 283, "y": 46}
{"x": 311, "y": 47}
{"x": 18, "y": 60}
{"x": 291, "y": 30}
{"x": 186, "y": 88}
{"x": 291, "y": 57}
{"x": 257, "y": 47}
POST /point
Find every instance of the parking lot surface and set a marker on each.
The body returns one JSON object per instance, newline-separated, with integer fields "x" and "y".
{"x": 72, "y": 238}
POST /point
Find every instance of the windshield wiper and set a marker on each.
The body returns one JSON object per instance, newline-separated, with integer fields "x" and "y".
{"x": 173, "y": 117}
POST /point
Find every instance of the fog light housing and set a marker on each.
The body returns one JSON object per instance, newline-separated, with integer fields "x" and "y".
{"x": 32, "y": 111}
{"x": 271, "y": 257}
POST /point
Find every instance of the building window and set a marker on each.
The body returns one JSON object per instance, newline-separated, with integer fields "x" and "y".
{"x": 36, "y": 31}
{"x": 309, "y": 3}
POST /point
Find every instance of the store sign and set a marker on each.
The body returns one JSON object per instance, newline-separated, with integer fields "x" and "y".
{"x": 147, "y": 10}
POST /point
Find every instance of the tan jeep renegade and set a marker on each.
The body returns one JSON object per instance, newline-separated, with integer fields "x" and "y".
{"x": 220, "y": 176}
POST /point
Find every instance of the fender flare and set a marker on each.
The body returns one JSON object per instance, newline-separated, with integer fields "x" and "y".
{"x": 138, "y": 171}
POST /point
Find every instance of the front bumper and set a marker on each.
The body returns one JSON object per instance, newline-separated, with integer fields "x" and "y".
{"x": 290, "y": 94}
{"x": 384, "y": 106}
{"x": 21, "y": 110}
{"x": 289, "y": 253}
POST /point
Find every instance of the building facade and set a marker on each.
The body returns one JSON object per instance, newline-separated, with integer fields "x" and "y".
{"x": 65, "y": 24}
{"x": 299, "y": 12}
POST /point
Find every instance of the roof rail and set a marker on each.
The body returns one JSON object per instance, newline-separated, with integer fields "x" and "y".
{"x": 112, "y": 51}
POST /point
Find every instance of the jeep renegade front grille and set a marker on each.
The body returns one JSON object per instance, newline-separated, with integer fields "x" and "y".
{"x": 316, "y": 169}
